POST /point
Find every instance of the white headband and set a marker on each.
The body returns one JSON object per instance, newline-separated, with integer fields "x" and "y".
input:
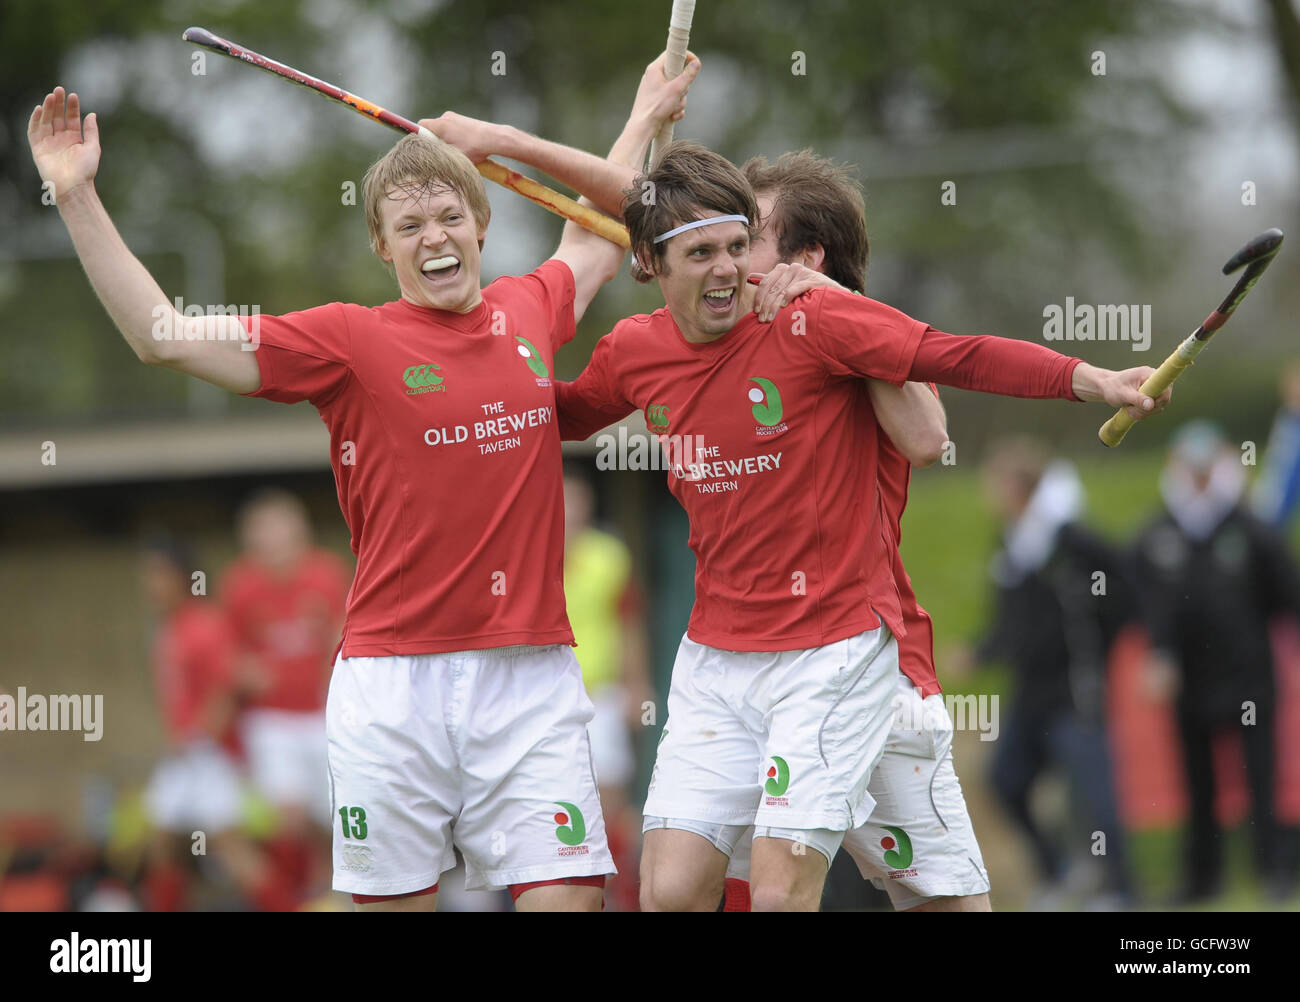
{"x": 701, "y": 222}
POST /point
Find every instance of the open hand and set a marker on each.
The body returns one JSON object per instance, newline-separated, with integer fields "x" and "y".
{"x": 64, "y": 157}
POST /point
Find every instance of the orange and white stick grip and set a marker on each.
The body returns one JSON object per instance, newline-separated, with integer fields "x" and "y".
{"x": 588, "y": 218}
{"x": 679, "y": 36}
{"x": 551, "y": 200}
{"x": 1114, "y": 430}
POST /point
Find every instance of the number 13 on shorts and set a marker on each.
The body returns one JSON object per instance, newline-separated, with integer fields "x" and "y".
{"x": 356, "y": 828}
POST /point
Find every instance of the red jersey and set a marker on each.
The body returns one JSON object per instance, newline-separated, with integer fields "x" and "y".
{"x": 777, "y": 466}
{"x": 288, "y": 624}
{"x": 446, "y": 459}
{"x": 194, "y": 663}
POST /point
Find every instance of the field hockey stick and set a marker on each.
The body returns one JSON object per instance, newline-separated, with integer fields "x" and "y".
{"x": 679, "y": 36}
{"x": 547, "y": 198}
{"x": 1255, "y": 257}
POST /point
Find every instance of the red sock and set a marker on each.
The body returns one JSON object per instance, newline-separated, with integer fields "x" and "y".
{"x": 166, "y": 887}
{"x": 291, "y": 856}
{"x": 623, "y": 888}
{"x": 274, "y": 894}
{"x": 366, "y": 899}
{"x": 735, "y": 895}
{"x": 598, "y": 881}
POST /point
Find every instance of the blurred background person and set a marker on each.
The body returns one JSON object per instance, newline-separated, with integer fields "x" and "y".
{"x": 606, "y": 611}
{"x": 285, "y": 599}
{"x": 1212, "y": 576}
{"x": 1061, "y": 598}
{"x": 1277, "y": 491}
{"x": 194, "y": 797}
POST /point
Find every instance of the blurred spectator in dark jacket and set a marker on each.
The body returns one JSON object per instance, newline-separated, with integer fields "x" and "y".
{"x": 1062, "y": 596}
{"x": 1213, "y": 575}
{"x": 1277, "y": 491}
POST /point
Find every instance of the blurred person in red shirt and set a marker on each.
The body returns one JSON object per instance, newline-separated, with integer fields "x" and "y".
{"x": 195, "y": 792}
{"x": 285, "y": 600}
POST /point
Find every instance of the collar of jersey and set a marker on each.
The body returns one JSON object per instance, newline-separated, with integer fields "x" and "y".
{"x": 465, "y": 322}
{"x": 733, "y": 336}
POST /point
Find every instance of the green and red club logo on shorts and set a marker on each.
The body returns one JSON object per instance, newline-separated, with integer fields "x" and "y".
{"x": 898, "y": 850}
{"x": 778, "y": 777}
{"x": 573, "y": 828}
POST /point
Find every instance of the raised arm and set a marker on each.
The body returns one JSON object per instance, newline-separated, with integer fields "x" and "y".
{"x": 658, "y": 100}
{"x": 601, "y": 182}
{"x": 859, "y": 336}
{"x": 593, "y": 177}
{"x": 210, "y": 347}
{"x": 1019, "y": 369}
{"x": 592, "y": 259}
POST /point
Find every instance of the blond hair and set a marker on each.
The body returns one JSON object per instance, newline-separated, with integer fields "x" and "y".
{"x": 415, "y": 165}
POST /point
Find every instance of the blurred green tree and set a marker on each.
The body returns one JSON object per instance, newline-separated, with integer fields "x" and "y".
{"x": 1003, "y": 100}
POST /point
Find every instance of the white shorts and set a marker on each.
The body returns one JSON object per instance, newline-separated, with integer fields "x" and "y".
{"x": 287, "y": 759}
{"x": 918, "y": 843}
{"x": 785, "y": 740}
{"x": 198, "y": 788}
{"x": 488, "y": 748}
{"x": 611, "y": 744}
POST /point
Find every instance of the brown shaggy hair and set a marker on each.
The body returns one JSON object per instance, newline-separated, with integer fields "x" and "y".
{"x": 816, "y": 201}
{"x": 688, "y": 183}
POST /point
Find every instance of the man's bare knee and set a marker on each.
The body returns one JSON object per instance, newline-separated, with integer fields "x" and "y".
{"x": 786, "y": 895}
{"x": 786, "y": 876}
{"x": 676, "y": 895}
{"x": 681, "y": 872}
{"x": 561, "y": 898}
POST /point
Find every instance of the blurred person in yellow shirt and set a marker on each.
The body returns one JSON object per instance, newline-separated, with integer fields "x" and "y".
{"x": 605, "y": 611}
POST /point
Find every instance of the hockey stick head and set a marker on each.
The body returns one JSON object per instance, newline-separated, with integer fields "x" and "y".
{"x": 1259, "y": 251}
{"x": 1255, "y": 257}
{"x": 201, "y": 36}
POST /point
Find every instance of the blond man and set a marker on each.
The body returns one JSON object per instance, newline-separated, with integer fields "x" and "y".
{"x": 455, "y": 702}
